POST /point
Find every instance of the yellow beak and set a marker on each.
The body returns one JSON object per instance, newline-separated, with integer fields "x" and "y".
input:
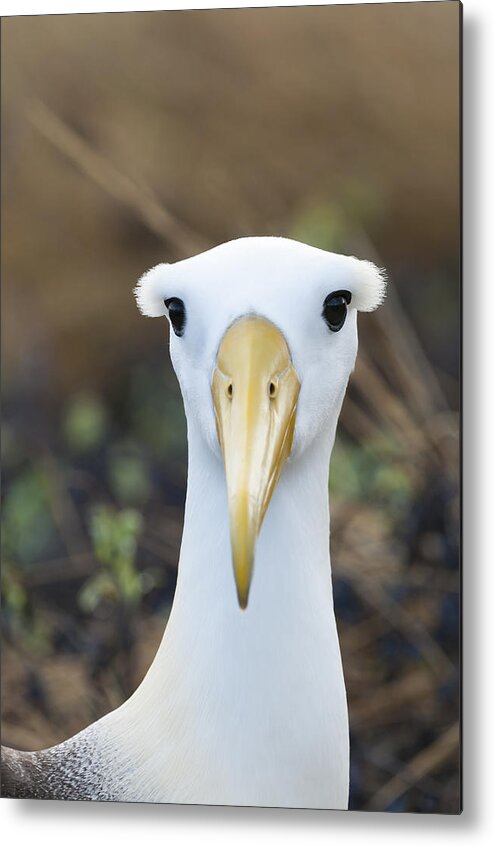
{"x": 255, "y": 391}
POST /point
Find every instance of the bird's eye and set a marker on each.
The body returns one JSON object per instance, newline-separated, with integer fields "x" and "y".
{"x": 335, "y": 308}
{"x": 176, "y": 313}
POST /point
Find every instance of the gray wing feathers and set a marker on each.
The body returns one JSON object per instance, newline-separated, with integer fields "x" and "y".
{"x": 50, "y": 774}
{"x": 21, "y": 775}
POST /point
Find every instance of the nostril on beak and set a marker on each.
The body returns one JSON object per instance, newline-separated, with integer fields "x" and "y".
{"x": 273, "y": 388}
{"x": 229, "y": 390}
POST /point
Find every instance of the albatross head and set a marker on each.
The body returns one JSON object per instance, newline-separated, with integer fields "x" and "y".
{"x": 263, "y": 339}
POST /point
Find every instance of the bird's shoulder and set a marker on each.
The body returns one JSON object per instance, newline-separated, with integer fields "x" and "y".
{"x": 22, "y": 775}
{"x": 58, "y": 773}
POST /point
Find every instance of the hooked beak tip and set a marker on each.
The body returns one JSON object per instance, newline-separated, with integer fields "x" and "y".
{"x": 243, "y": 601}
{"x": 243, "y": 564}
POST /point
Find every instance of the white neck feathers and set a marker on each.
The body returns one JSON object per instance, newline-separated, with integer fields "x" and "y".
{"x": 245, "y": 707}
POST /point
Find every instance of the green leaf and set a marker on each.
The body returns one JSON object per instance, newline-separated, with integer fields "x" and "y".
{"x": 85, "y": 423}
{"x": 28, "y": 530}
{"x": 114, "y": 535}
{"x": 129, "y": 477}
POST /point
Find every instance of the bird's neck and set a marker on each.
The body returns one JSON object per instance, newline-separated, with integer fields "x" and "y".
{"x": 292, "y": 554}
{"x": 291, "y": 592}
{"x": 231, "y": 691}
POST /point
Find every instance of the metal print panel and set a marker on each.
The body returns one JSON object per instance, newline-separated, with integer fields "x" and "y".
{"x": 230, "y": 568}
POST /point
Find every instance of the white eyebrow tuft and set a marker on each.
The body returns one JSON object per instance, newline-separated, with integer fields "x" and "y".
{"x": 150, "y": 292}
{"x": 370, "y": 287}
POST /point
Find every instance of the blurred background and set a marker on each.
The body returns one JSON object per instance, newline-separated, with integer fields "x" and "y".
{"x": 130, "y": 139}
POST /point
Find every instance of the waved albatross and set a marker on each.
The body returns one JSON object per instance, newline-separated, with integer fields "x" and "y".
{"x": 244, "y": 703}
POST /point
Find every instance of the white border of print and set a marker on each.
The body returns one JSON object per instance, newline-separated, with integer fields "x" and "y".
{"x": 51, "y": 823}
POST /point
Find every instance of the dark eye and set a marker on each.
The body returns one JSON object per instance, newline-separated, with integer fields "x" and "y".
{"x": 176, "y": 313}
{"x": 335, "y": 308}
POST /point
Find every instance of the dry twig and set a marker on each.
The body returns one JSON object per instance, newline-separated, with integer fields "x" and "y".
{"x": 426, "y": 762}
{"x": 118, "y": 185}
